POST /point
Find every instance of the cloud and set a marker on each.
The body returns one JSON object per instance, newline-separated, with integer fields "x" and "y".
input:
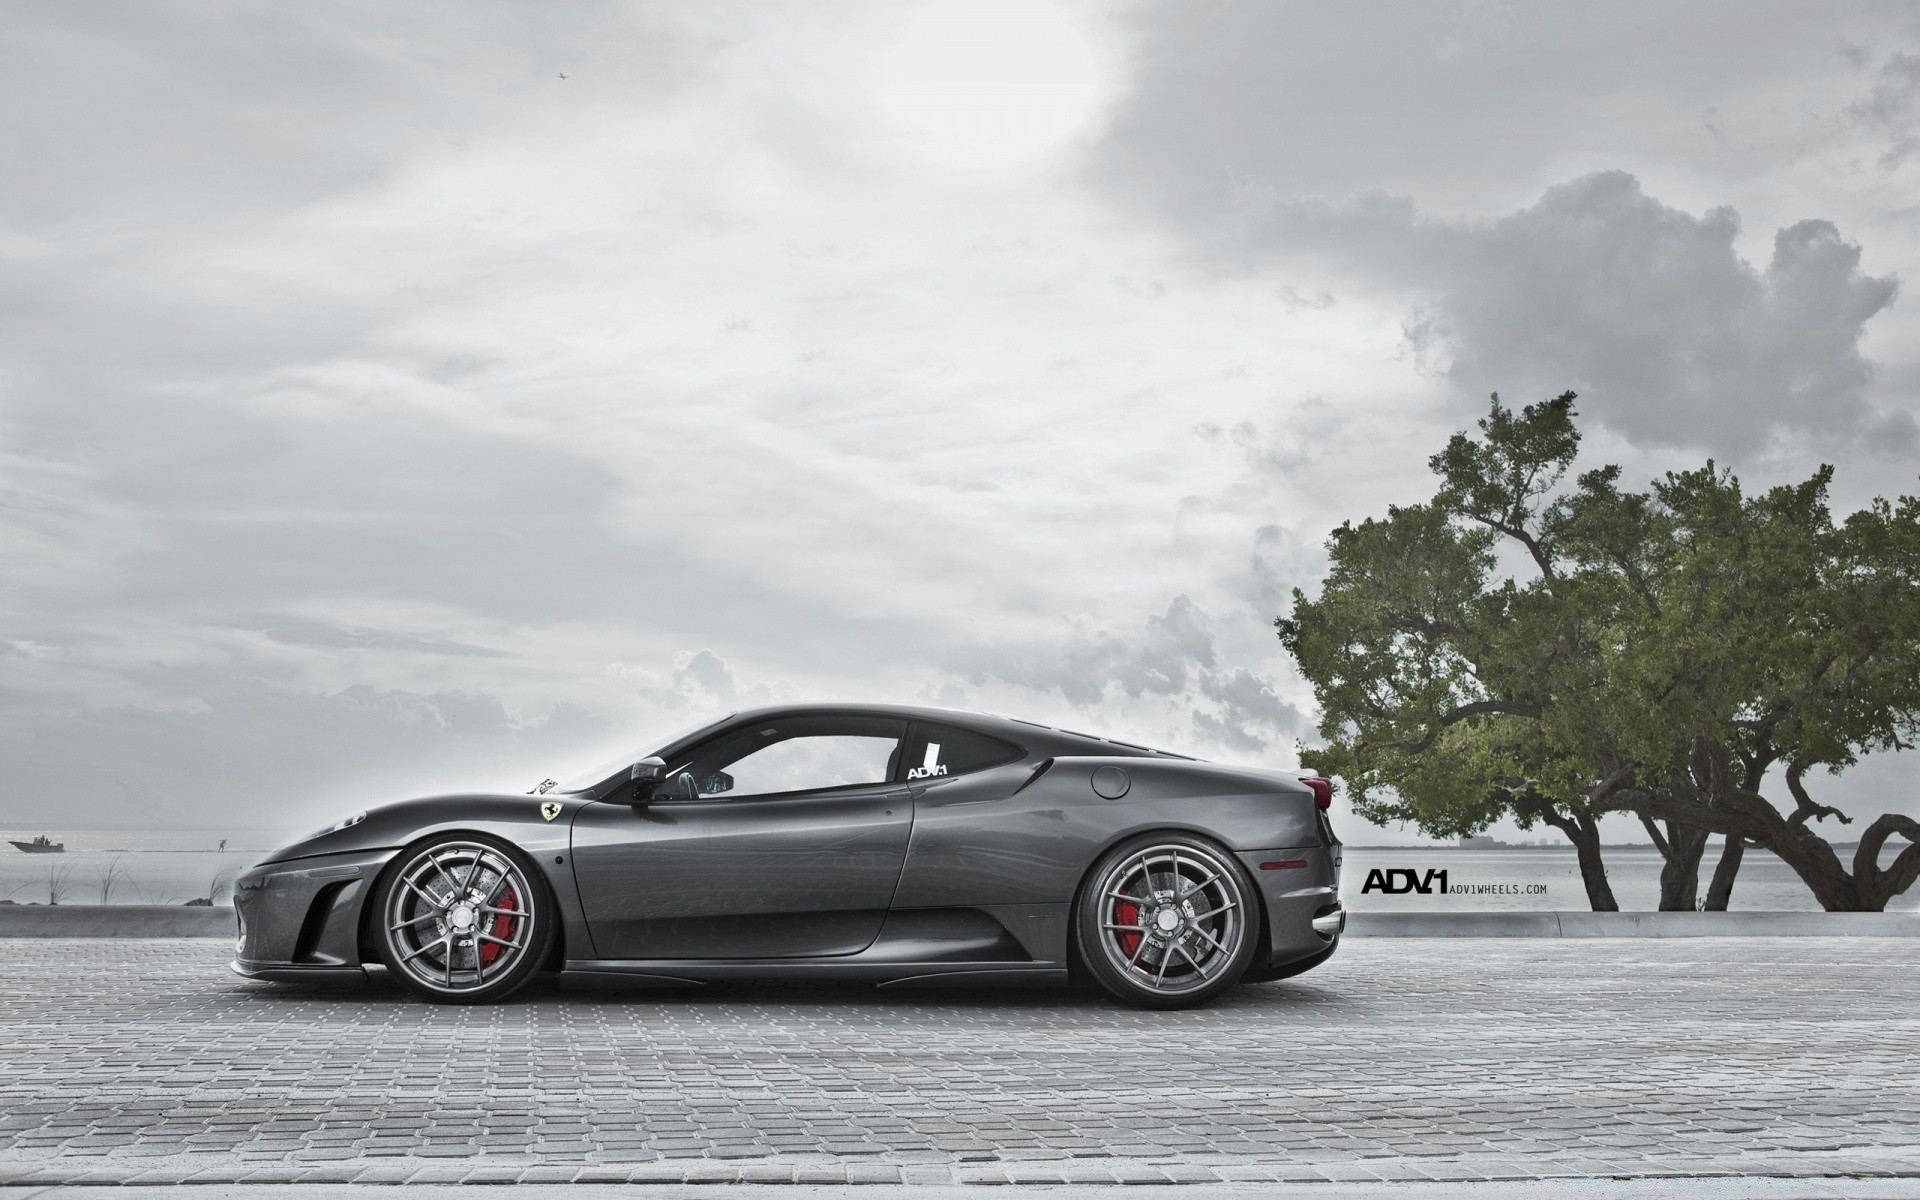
{"x": 1891, "y": 107}
{"x": 1649, "y": 312}
{"x": 263, "y": 756}
{"x": 1091, "y": 664}
{"x": 700, "y": 683}
{"x": 299, "y": 631}
{"x": 352, "y": 363}
{"x": 1250, "y": 717}
{"x": 1173, "y": 658}
{"x": 1474, "y": 163}
{"x": 675, "y": 386}
{"x": 1469, "y": 105}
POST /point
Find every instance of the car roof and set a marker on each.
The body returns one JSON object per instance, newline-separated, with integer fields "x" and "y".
{"x": 1044, "y": 739}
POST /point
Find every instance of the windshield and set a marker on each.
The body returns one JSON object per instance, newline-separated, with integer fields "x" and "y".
{"x": 602, "y": 771}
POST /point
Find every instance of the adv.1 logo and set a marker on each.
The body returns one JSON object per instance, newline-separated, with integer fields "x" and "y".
{"x": 930, "y": 766}
{"x": 1398, "y": 881}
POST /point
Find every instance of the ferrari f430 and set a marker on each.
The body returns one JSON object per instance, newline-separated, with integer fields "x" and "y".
{"x": 895, "y": 845}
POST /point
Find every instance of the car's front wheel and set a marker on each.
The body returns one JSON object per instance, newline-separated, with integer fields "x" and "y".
{"x": 1167, "y": 921}
{"x": 463, "y": 919}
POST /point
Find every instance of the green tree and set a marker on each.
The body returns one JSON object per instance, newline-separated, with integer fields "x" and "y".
{"x": 1515, "y": 647}
{"x": 1783, "y": 641}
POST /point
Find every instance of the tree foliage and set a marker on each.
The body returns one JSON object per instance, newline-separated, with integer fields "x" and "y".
{"x": 1524, "y": 646}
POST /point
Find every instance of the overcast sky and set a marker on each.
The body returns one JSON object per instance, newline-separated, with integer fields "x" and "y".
{"x": 399, "y": 398}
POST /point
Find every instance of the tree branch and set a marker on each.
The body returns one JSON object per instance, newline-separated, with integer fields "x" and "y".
{"x": 1885, "y": 885}
{"x": 1638, "y": 583}
{"x": 1526, "y": 539}
{"x": 1653, "y": 831}
{"x": 1478, "y": 708}
{"x": 1806, "y": 807}
{"x": 1738, "y": 813}
{"x": 1616, "y": 779}
{"x": 1558, "y": 820}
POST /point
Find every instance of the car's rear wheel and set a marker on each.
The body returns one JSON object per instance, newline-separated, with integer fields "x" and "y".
{"x": 463, "y": 919}
{"x": 1167, "y": 921}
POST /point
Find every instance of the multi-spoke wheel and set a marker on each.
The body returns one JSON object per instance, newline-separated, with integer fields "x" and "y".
{"x": 463, "y": 920}
{"x": 1167, "y": 921}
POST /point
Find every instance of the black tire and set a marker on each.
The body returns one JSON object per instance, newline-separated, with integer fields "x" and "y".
{"x": 1196, "y": 914}
{"x": 462, "y": 918}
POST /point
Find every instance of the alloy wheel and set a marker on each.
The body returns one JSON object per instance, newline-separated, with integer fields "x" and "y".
{"x": 1172, "y": 919}
{"x": 460, "y": 917}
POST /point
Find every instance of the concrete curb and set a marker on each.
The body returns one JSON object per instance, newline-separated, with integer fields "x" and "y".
{"x": 1633, "y": 924}
{"x": 1653, "y": 1187}
{"x": 115, "y": 920}
{"x": 161, "y": 920}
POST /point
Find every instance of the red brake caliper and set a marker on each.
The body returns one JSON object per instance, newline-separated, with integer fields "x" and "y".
{"x": 502, "y": 928}
{"x": 1127, "y": 913}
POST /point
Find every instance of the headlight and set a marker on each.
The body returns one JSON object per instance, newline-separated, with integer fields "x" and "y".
{"x": 346, "y": 823}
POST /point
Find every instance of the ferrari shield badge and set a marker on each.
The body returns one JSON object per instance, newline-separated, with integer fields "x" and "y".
{"x": 550, "y": 809}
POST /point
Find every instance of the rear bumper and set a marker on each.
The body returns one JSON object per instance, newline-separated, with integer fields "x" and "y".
{"x": 1300, "y": 887}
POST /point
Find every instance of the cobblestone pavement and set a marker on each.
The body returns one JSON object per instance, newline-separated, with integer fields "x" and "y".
{"x": 1401, "y": 1059}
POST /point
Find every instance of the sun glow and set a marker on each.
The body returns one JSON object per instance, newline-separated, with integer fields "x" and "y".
{"x": 990, "y": 83}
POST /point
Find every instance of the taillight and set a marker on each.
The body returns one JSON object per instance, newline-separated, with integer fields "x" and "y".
{"x": 1322, "y": 791}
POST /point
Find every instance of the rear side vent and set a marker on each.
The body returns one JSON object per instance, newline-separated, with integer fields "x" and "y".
{"x": 1322, "y": 791}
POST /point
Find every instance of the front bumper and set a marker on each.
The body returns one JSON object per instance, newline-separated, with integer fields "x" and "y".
{"x": 301, "y": 919}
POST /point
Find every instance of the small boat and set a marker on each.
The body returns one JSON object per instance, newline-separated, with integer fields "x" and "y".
{"x": 41, "y": 845}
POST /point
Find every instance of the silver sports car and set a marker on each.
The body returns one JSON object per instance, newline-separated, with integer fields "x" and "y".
{"x": 885, "y": 843}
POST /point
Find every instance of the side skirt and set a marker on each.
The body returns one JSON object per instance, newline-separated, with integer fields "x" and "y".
{"x": 697, "y": 972}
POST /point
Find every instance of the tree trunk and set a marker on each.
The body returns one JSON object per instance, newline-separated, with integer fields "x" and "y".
{"x": 1680, "y": 849}
{"x": 1738, "y": 813}
{"x": 1814, "y": 861}
{"x": 1811, "y": 858}
{"x": 1869, "y": 888}
{"x": 1680, "y": 875}
{"x": 1720, "y": 891}
{"x": 1875, "y": 885}
{"x": 1584, "y": 832}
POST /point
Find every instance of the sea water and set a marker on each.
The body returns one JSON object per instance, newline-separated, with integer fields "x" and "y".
{"x": 174, "y": 866}
{"x": 129, "y": 866}
{"x": 1548, "y": 877}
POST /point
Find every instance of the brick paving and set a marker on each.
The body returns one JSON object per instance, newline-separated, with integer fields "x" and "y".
{"x": 1402, "y": 1059}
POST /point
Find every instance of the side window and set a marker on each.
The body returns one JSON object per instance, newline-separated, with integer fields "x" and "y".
{"x": 799, "y": 754}
{"x": 938, "y": 750}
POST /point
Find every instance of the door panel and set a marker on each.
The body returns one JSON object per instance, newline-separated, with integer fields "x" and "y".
{"x": 779, "y": 876}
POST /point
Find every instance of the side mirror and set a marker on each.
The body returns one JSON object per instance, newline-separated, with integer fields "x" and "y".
{"x": 647, "y": 774}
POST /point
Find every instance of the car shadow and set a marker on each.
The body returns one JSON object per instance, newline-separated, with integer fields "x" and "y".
{"x": 549, "y": 991}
